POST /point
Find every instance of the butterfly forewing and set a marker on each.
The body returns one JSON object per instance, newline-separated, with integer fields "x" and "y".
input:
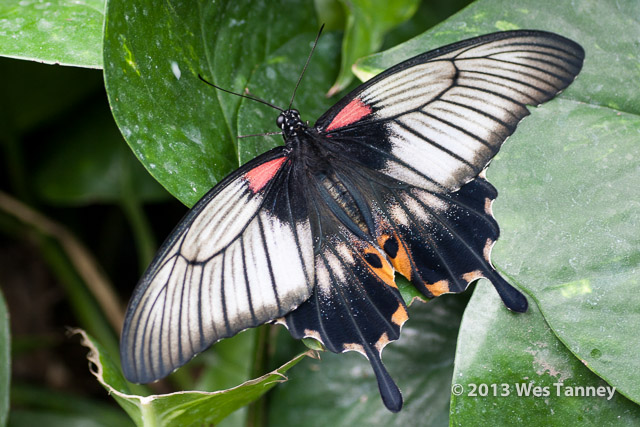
{"x": 241, "y": 257}
{"x": 440, "y": 117}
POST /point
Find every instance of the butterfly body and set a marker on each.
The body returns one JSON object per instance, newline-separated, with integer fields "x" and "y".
{"x": 311, "y": 234}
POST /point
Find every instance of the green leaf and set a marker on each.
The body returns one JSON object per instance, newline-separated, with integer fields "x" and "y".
{"x": 182, "y": 130}
{"x": 567, "y": 206}
{"x": 47, "y": 406}
{"x": 182, "y": 408}
{"x": 90, "y": 163}
{"x": 367, "y": 22}
{"x": 341, "y": 390}
{"x": 65, "y": 32}
{"x": 569, "y": 217}
{"x": 5, "y": 361}
{"x": 495, "y": 387}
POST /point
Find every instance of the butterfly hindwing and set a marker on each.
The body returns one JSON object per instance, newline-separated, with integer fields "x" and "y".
{"x": 436, "y": 120}
{"x": 355, "y": 305}
{"x": 442, "y": 242}
{"x": 241, "y": 257}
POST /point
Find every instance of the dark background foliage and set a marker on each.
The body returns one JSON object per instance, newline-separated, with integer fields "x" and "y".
{"x": 78, "y": 211}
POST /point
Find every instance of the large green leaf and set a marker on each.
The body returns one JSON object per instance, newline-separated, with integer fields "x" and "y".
{"x": 189, "y": 408}
{"x": 544, "y": 385}
{"x": 568, "y": 203}
{"x": 66, "y": 32}
{"x": 569, "y": 215}
{"x": 5, "y": 361}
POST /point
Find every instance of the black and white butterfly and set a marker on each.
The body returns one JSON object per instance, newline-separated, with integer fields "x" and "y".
{"x": 310, "y": 234}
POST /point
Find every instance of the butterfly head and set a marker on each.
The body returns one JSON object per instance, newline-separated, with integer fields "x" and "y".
{"x": 290, "y": 123}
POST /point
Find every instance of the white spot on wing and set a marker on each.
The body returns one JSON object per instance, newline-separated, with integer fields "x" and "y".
{"x": 434, "y": 202}
{"x": 345, "y": 252}
{"x": 323, "y": 279}
{"x": 286, "y": 265}
{"x": 399, "y": 215}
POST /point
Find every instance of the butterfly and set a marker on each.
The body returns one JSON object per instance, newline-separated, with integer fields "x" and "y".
{"x": 310, "y": 234}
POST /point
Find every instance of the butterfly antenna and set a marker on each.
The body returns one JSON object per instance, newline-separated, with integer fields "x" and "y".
{"x": 260, "y": 134}
{"x": 305, "y": 66}
{"x": 240, "y": 95}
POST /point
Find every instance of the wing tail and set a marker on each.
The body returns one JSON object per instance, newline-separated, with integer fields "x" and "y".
{"x": 355, "y": 306}
{"x": 389, "y": 391}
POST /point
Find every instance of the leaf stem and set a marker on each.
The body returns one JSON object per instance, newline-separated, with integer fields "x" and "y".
{"x": 256, "y": 416}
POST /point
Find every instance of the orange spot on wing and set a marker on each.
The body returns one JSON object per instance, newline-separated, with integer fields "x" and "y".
{"x": 470, "y": 277}
{"x": 402, "y": 261}
{"x": 486, "y": 252}
{"x": 400, "y": 316}
{"x": 385, "y": 273}
{"x": 438, "y": 288}
{"x": 351, "y": 113}
{"x": 260, "y": 176}
{"x": 382, "y": 342}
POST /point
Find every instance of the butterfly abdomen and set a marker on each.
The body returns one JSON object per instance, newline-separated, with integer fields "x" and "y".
{"x": 346, "y": 202}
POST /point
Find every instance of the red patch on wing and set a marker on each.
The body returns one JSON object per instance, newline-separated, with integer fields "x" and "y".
{"x": 259, "y": 176}
{"x": 354, "y": 111}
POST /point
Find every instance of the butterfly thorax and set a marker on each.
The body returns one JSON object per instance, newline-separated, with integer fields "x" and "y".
{"x": 291, "y": 124}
